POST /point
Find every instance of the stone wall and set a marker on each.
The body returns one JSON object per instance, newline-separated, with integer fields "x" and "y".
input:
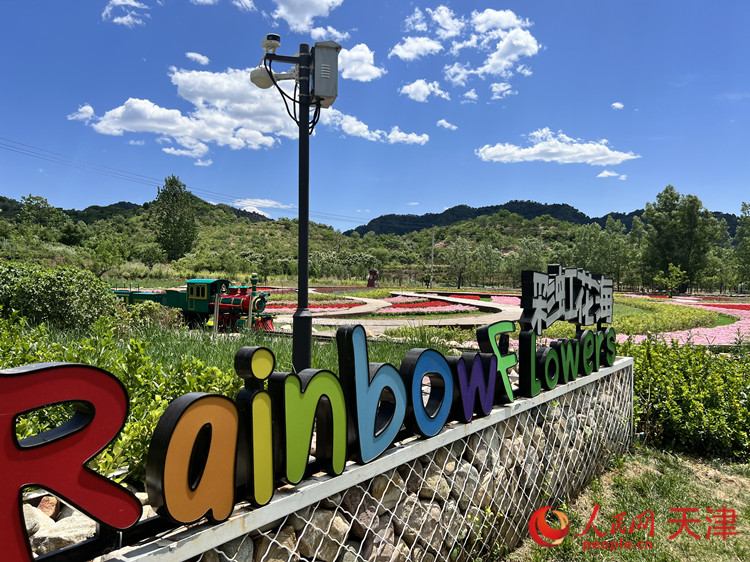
{"x": 466, "y": 494}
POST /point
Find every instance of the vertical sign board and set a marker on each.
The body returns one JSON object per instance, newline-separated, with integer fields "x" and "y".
{"x": 210, "y": 451}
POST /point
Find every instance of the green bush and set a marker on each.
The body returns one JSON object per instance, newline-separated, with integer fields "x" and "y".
{"x": 690, "y": 399}
{"x": 62, "y": 297}
{"x": 148, "y": 314}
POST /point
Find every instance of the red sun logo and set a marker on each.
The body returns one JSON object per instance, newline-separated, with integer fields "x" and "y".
{"x": 538, "y": 526}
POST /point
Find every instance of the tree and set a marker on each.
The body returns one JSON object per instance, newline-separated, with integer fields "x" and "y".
{"x": 680, "y": 231}
{"x": 672, "y": 279}
{"x": 458, "y": 258}
{"x": 742, "y": 241}
{"x": 173, "y": 215}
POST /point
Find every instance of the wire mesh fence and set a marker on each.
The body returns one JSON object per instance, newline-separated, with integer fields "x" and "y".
{"x": 468, "y": 500}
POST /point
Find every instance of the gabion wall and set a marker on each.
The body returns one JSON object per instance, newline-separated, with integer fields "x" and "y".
{"x": 468, "y": 500}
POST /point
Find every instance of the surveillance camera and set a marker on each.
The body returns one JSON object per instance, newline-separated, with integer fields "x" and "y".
{"x": 271, "y": 42}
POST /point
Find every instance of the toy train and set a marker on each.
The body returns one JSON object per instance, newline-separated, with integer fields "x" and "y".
{"x": 209, "y": 302}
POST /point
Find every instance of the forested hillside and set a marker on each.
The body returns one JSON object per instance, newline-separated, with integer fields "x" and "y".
{"x": 674, "y": 244}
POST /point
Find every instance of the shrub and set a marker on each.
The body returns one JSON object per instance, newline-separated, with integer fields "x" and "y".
{"x": 63, "y": 297}
{"x": 691, "y": 399}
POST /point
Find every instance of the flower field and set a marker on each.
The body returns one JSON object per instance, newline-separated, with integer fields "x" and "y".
{"x": 415, "y": 305}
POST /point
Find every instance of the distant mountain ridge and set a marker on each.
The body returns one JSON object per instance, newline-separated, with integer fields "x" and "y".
{"x": 403, "y": 224}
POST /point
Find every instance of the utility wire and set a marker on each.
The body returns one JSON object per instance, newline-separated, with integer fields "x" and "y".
{"x": 57, "y": 158}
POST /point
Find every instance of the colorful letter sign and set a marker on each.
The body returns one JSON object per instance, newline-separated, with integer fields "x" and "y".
{"x": 56, "y": 459}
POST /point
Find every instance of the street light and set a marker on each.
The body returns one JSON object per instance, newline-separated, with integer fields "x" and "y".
{"x": 320, "y": 64}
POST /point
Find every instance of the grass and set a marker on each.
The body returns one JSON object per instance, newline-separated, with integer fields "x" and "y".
{"x": 648, "y": 479}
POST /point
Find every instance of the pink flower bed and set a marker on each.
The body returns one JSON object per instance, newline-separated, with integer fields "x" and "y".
{"x": 503, "y": 299}
{"x": 720, "y": 335}
{"x": 400, "y": 299}
{"x": 444, "y": 308}
{"x": 470, "y": 297}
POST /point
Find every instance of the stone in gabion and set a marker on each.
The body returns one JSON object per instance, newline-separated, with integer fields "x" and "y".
{"x": 413, "y": 475}
{"x": 362, "y": 508}
{"x": 447, "y": 457}
{"x": 65, "y": 532}
{"x": 383, "y": 545}
{"x": 239, "y": 549}
{"x": 322, "y": 535}
{"x": 483, "y": 448}
{"x": 387, "y": 489}
{"x": 280, "y": 549}
{"x": 408, "y": 517}
{"x": 465, "y": 483}
{"x": 435, "y": 485}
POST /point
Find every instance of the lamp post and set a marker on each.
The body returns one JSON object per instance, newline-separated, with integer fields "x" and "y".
{"x": 322, "y": 94}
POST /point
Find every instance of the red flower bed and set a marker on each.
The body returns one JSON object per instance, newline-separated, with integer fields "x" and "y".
{"x": 471, "y": 297}
{"x": 729, "y": 306}
{"x": 420, "y": 304}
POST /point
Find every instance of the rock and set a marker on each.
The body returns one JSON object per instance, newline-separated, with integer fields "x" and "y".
{"x": 483, "y": 448}
{"x": 65, "y": 532}
{"x": 35, "y": 519}
{"x": 332, "y": 502}
{"x": 435, "y": 485}
{"x": 50, "y": 506}
{"x": 413, "y": 475}
{"x": 350, "y": 552}
{"x": 453, "y": 523}
{"x": 447, "y": 457}
{"x": 147, "y": 513}
{"x": 211, "y": 556}
{"x": 408, "y": 517}
{"x": 240, "y": 549}
{"x": 383, "y": 546}
{"x": 530, "y": 470}
{"x": 465, "y": 483}
{"x": 323, "y": 535}
{"x": 281, "y": 549}
{"x": 362, "y": 509}
{"x": 142, "y": 497}
{"x": 387, "y": 489}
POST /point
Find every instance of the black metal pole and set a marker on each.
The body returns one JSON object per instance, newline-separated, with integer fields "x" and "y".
{"x": 302, "y": 319}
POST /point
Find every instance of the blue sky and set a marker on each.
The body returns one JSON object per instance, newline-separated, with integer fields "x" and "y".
{"x": 596, "y": 104}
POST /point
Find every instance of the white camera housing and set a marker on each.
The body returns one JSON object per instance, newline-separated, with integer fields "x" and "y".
{"x": 271, "y": 42}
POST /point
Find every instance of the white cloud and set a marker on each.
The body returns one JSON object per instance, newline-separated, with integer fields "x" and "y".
{"x": 501, "y": 90}
{"x": 611, "y": 174}
{"x": 547, "y": 146}
{"x": 420, "y": 90}
{"x": 129, "y": 12}
{"x": 204, "y": 2}
{"x": 136, "y": 142}
{"x": 443, "y": 123}
{"x": 617, "y": 105}
{"x": 350, "y": 125}
{"x": 457, "y": 73}
{"x": 204, "y": 163}
{"x": 515, "y": 44}
{"x": 85, "y": 113}
{"x": 607, "y": 174}
{"x": 358, "y": 63}
{"x": 244, "y": 5}
{"x": 299, "y": 14}
{"x": 197, "y": 57}
{"x": 448, "y": 24}
{"x": 490, "y": 20}
{"x": 416, "y": 21}
{"x": 328, "y": 32}
{"x": 471, "y": 95}
{"x": 398, "y": 136}
{"x": 413, "y": 204}
{"x": 412, "y": 48}
{"x": 257, "y": 205}
{"x": 524, "y": 70}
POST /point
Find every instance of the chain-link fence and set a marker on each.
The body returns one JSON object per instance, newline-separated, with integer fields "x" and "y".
{"x": 469, "y": 498}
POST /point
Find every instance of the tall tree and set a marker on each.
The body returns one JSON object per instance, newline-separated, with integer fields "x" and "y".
{"x": 173, "y": 215}
{"x": 742, "y": 241}
{"x": 680, "y": 232}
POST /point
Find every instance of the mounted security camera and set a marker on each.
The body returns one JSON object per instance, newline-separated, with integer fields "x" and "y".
{"x": 271, "y": 42}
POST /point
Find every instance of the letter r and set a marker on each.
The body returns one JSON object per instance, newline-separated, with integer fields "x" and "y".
{"x": 56, "y": 459}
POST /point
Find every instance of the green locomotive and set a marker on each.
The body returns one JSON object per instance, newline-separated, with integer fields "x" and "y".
{"x": 211, "y": 302}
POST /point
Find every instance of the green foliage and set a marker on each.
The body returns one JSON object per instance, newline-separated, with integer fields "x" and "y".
{"x": 690, "y": 399}
{"x": 148, "y": 314}
{"x": 63, "y": 297}
{"x": 672, "y": 279}
{"x": 173, "y": 215}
